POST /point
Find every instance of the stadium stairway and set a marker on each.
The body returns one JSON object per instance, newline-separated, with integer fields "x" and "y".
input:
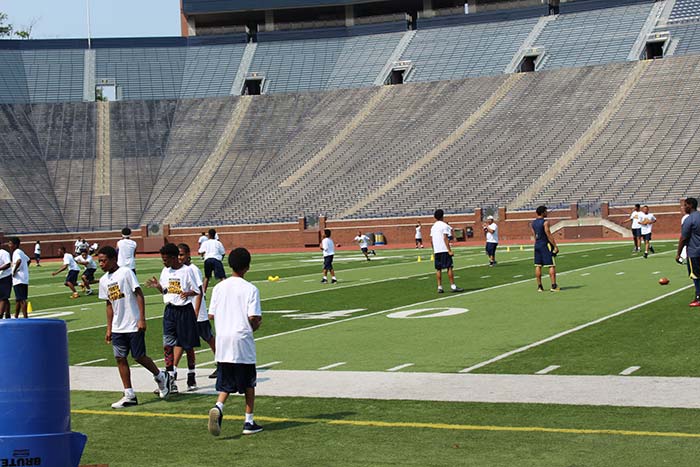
{"x": 526, "y": 197}
{"x": 102, "y": 163}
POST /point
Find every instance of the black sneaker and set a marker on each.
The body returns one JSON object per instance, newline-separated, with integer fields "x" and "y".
{"x": 457, "y": 290}
{"x": 646, "y": 255}
{"x": 191, "y": 382}
{"x": 251, "y": 428}
{"x": 651, "y": 248}
{"x": 215, "y": 374}
{"x": 441, "y": 291}
{"x": 173, "y": 388}
{"x": 540, "y": 288}
{"x": 216, "y": 416}
{"x": 333, "y": 281}
{"x": 125, "y": 402}
{"x": 374, "y": 253}
{"x": 324, "y": 281}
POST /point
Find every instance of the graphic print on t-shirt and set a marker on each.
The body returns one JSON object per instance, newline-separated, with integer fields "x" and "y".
{"x": 114, "y": 292}
{"x": 174, "y": 286}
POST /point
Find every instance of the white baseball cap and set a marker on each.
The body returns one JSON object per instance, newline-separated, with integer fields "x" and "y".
{"x": 489, "y": 218}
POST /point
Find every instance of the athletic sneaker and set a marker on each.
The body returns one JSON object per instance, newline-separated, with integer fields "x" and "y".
{"x": 441, "y": 291}
{"x": 373, "y": 253}
{"x": 251, "y": 428}
{"x": 214, "y": 375}
{"x": 367, "y": 259}
{"x": 163, "y": 385}
{"x": 324, "y": 281}
{"x": 646, "y": 255}
{"x": 457, "y": 289}
{"x": 333, "y": 281}
{"x": 216, "y": 416}
{"x": 75, "y": 295}
{"x": 695, "y": 303}
{"x": 125, "y": 402}
{"x": 173, "y": 388}
{"x": 89, "y": 292}
{"x": 191, "y": 382}
{"x": 555, "y": 288}
{"x": 540, "y": 288}
{"x": 651, "y": 248}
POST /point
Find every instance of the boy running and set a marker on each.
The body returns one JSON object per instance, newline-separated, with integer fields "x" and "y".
{"x": 328, "y": 248}
{"x": 5, "y": 283}
{"x": 440, "y": 234}
{"x": 20, "y": 276}
{"x": 126, "y": 324}
{"x": 363, "y": 241}
{"x": 203, "y": 324}
{"x": 73, "y": 270}
{"x": 126, "y": 249}
{"x": 213, "y": 252}
{"x": 178, "y": 285}
{"x": 88, "y": 277}
{"x": 235, "y": 308}
{"x": 544, "y": 256}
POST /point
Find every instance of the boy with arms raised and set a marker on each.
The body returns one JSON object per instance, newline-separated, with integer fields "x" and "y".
{"x": 178, "y": 285}
{"x": 126, "y": 324}
{"x": 73, "y": 270}
{"x": 235, "y": 308}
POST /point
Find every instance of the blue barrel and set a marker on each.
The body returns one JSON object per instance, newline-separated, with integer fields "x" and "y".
{"x": 35, "y": 395}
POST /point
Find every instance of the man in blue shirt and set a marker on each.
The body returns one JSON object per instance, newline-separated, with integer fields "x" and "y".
{"x": 545, "y": 249}
{"x": 690, "y": 237}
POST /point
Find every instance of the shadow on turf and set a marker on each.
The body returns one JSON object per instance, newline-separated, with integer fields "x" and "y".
{"x": 285, "y": 425}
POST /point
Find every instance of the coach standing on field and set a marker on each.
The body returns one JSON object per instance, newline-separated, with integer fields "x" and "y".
{"x": 690, "y": 237}
{"x": 213, "y": 255}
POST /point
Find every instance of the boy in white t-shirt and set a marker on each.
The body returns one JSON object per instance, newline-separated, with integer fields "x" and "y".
{"x": 5, "y": 283}
{"x": 363, "y": 240}
{"x": 20, "y": 277}
{"x": 88, "y": 277}
{"x": 646, "y": 220}
{"x": 178, "y": 285}
{"x": 73, "y": 270}
{"x": 440, "y": 233}
{"x": 203, "y": 325}
{"x": 419, "y": 235}
{"x": 37, "y": 253}
{"x": 491, "y": 232}
{"x": 126, "y": 249}
{"x": 235, "y": 308}
{"x": 328, "y": 248}
{"x": 636, "y": 227}
{"x": 126, "y": 324}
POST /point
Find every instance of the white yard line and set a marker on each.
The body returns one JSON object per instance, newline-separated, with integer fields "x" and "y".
{"x": 549, "y": 369}
{"x": 91, "y": 361}
{"x": 333, "y": 365}
{"x": 629, "y": 370}
{"x": 205, "y": 363}
{"x": 572, "y": 330}
{"x": 400, "y": 367}
{"x": 267, "y": 365}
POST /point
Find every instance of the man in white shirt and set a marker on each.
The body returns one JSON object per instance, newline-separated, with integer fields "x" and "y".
{"x": 178, "y": 285}
{"x": 126, "y": 325}
{"x": 37, "y": 253}
{"x": 214, "y": 253}
{"x": 5, "y": 283}
{"x": 202, "y": 238}
{"x": 20, "y": 277}
{"x": 646, "y": 220}
{"x": 88, "y": 276}
{"x": 73, "y": 270}
{"x": 235, "y": 308}
{"x": 328, "y": 248}
{"x": 363, "y": 240}
{"x": 442, "y": 251}
{"x": 419, "y": 236}
{"x": 126, "y": 249}
{"x": 636, "y": 227}
{"x": 491, "y": 231}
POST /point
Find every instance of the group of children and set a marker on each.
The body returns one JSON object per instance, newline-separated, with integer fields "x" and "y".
{"x": 14, "y": 277}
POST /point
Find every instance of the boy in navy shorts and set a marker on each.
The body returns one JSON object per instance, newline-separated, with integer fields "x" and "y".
{"x": 235, "y": 308}
{"x": 126, "y": 324}
{"x": 5, "y": 283}
{"x": 73, "y": 270}
{"x": 178, "y": 285}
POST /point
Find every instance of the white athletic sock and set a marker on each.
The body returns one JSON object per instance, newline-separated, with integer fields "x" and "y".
{"x": 220, "y": 405}
{"x": 334, "y": 278}
{"x": 249, "y": 418}
{"x": 129, "y": 392}
{"x": 453, "y": 286}
{"x": 174, "y": 369}
{"x": 439, "y": 287}
{"x": 190, "y": 371}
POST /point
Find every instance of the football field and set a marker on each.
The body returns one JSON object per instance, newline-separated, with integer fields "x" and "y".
{"x": 384, "y": 316}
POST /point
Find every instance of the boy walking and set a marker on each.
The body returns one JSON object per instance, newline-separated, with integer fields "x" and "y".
{"x": 213, "y": 252}
{"x": 20, "y": 277}
{"x": 646, "y": 220}
{"x": 73, "y": 270}
{"x": 328, "y": 248}
{"x": 178, "y": 285}
{"x": 440, "y": 234}
{"x": 126, "y": 324}
{"x": 235, "y": 308}
{"x": 126, "y": 248}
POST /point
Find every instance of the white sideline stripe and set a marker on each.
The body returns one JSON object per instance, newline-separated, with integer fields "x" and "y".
{"x": 620, "y": 274}
{"x": 433, "y": 300}
{"x": 572, "y": 330}
{"x": 629, "y": 370}
{"x": 91, "y": 361}
{"x": 656, "y": 272}
{"x": 400, "y": 367}
{"x": 586, "y": 274}
{"x": 517, "y": 276}
{"x": 549, "y": 369}
{"x": 205, "y": 363}
{"x": 333, "y": 365}
{"x": 485, "y": 277}
{"x": 268, "y": 365}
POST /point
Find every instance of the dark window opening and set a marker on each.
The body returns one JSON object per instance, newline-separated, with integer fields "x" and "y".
{"x": 396, "y": 77}
{"x": 528, "y": 64}
{"x": 252, "y": 87}
{"x": 655, "y": 50}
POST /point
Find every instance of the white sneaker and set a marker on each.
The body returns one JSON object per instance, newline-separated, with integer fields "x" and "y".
{"x": 163, "y": 385}
{"x": 125, "y": 402}
{"x": 89, "y": 292}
